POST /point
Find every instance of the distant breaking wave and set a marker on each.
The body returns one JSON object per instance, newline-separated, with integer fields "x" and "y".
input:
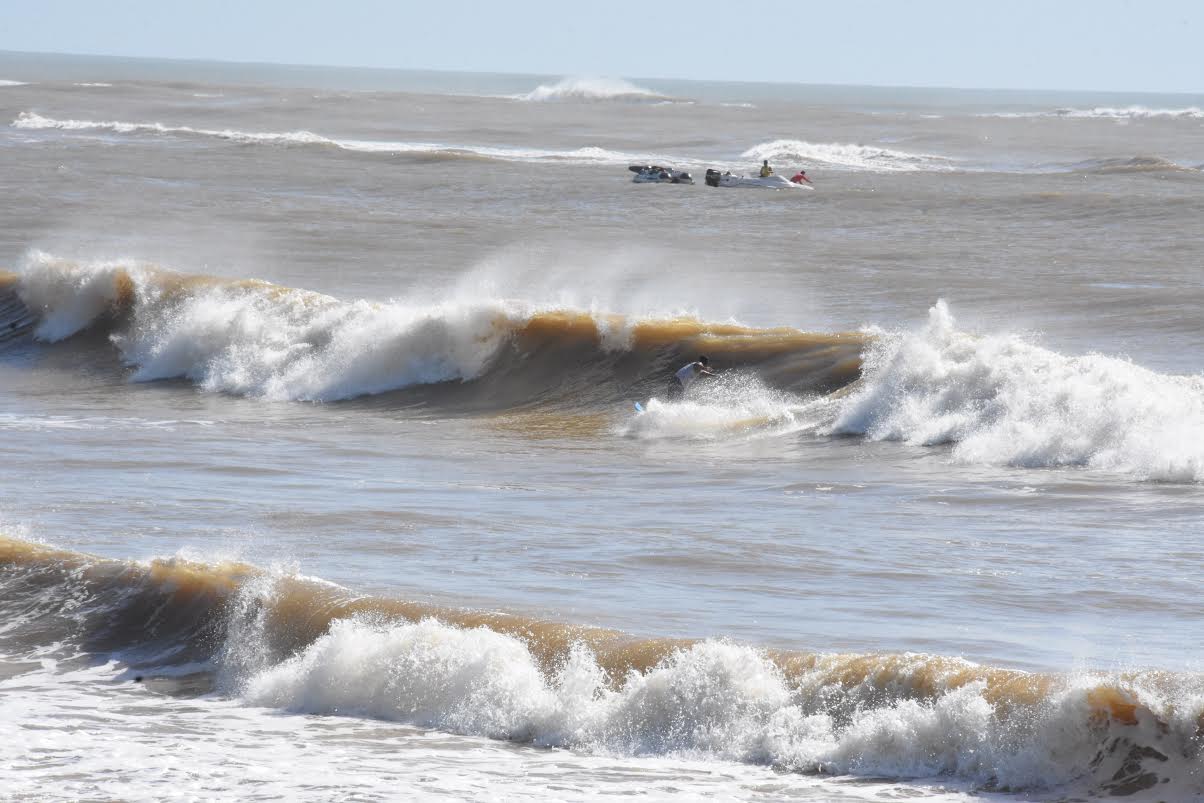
{"x": 836, "y": 155}
{"x": 434, "y": 150}
{"x": 1136, "y": 164}
{"x": 307, "y": 646}
{"x": 4, "y": 82}
{"x": 592, "y": 90}
{"x": 855, "y": 157}
{"x": 1112, "y": 113}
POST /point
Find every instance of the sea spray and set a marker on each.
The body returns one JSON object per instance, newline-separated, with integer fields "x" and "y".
{"x": 261, "y": 340}
{"x": 1000, "y": 399}
{"x": 592, "y": 90}
{"x": 298, "y": 644}
{"x": 846, "y": 156}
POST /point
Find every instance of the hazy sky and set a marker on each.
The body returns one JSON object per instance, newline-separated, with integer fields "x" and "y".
{"x": 1153, "y": 45}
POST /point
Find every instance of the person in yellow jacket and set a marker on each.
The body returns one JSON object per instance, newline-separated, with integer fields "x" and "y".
{"x": 766, "y": 170}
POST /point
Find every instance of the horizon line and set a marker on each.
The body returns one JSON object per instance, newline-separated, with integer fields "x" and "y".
{"x": 562, "y": 75}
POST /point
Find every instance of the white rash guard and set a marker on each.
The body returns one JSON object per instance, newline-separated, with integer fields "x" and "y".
{"x": 687, "y": 374}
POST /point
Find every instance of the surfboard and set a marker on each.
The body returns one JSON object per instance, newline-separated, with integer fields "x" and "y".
{"x": 639, "y": 408}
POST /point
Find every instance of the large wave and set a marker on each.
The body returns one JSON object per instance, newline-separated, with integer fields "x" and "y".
{"x": 593, "y": 90}
{"x": 1003, "y": 400}
{"x": 995, "y": 399}
{"x": 304, "y": 645}
{"x": 856, "y": 157}
{"x": 258, "y": 339}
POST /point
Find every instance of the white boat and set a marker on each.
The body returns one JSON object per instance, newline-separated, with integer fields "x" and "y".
{"x": 654, "y": 174}
{"x": 716, "y": 179}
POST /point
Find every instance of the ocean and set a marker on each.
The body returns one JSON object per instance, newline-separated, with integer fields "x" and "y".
{"x": 322, "y": 477}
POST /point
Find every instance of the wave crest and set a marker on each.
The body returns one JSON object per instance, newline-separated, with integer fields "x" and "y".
{"x": 855, "y": 157}
{"x": 1001, "y": 400}
{"x": 593, "y": 90}
{"x": 1112, "y": 113}
{"x": 421, "y": 150}
{"x": 1133, "y": 113}
{"x": 304, "y": 645}
{"x": 257, "y": 339}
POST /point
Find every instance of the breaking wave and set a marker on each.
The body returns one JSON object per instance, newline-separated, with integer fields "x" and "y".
{"x": 1005, "y": 401}
{"x": 995, "y": 399}
{"x": 257, "y": 339}
{"x": 304, "y": 645}
{"x": 855, "y": 157}
{"x": 593, "y": 90}
{"x": 1111, "y": 113}
{"x": 5, "y": 82}
{"x": 431, "y": 150}
{"x": 1132, "y": 113}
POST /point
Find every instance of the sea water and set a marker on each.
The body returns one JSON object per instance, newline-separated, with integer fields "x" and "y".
{"x": 322, "y": 477}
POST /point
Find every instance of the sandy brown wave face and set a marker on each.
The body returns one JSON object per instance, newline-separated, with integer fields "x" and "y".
{"x": 166, "y": 613}
{"x": 163, "y": 602}
{"x": 493, "y": 355}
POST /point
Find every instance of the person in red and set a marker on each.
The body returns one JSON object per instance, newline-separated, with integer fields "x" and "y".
{"x": 800, "y": 177}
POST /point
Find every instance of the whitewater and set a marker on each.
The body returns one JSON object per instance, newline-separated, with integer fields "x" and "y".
{"x": 323, "y": 476}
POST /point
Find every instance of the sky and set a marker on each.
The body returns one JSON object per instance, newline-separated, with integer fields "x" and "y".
{"x": 1121, "y": 45}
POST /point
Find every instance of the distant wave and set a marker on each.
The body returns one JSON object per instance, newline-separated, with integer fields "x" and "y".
{"x": 4, "y": 82}
{"x": 1135, "y": 164}
{"x": 1112, "y": 113}
{"x": 307, "y": 646}
{"x": 851, "y": 157}
{"x": 34, "y": 121}
{"x": 592, "y": 90}
{"x": 855, "y": 157}
{"x": 433, "y": 150}
{"x": 94, "y": 84}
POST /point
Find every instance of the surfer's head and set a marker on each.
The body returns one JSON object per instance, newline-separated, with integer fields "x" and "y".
{"x": 704, "y": 361}
{"x": 765, "y": 161}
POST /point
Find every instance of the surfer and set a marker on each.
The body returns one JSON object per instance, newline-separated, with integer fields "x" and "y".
{"x": 800, "y": 177}
{"x": 686, "y": 375}
{"x": 766, "y": 170}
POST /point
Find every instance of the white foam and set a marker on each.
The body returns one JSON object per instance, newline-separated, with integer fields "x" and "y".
{"x": 68, "y": 296}
{"x": 583, "y": 155}
{"x": 5, "y": 82}
{"x": 1003, "y": 400}
{"x": 34, "y": 121}
{"x": 1113, "y": 113}
{"x": 733, "y": 405}
{"x": 591, "y": 89}
{"x": 855, "y": 157}
{"x": 114, "y": 739}
{"x": 96, "y": 84}
{"x": 257, "y": 339}
{"x": 713, "y": 699}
